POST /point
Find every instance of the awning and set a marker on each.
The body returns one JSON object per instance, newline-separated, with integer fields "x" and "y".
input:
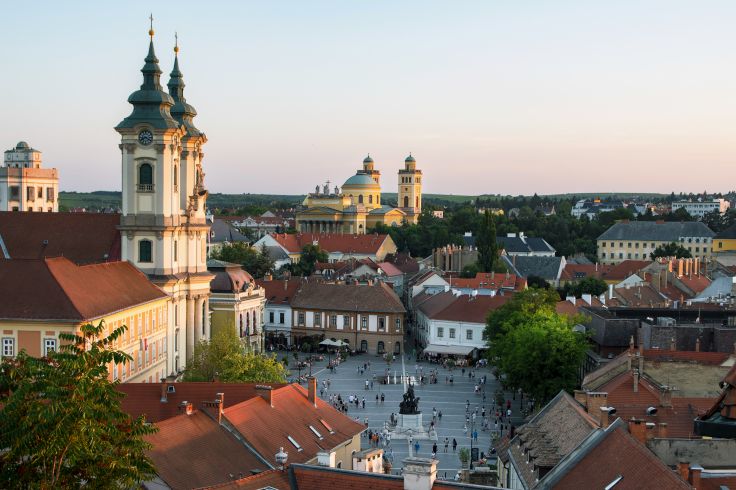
{"x": 461, "y": 350}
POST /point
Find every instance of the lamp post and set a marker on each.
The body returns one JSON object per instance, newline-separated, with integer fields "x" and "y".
{"x": 472, "y": 431}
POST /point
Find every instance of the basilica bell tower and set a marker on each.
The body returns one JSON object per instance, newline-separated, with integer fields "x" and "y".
{"x": 410, "y": 190}
{"x": 163, "y": 226}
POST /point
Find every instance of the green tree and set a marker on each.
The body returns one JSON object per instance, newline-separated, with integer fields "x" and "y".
{"x": 671, "y": 250}
{"x": 311, "y": 254}
{"x": 589, "y": 285}
{"x": 522, "y": 304}
{"x": 486, "y": 242}
{"x": 225, "y": 358}
{"x": 257, "y": 262}
{"x": 61, "y": 425}
{"x": 540, "y": 354}
{"x": 470, "y": 270}
{"x": 537, "y": 282}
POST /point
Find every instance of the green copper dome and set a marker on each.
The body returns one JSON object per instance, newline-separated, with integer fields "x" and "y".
{"x": 368, "y": 159}
{"x": 359, "y": 179}
{"x": 410, "y": 159}
{"x": 151, "y": 104}
{"x": 181, "y": 111}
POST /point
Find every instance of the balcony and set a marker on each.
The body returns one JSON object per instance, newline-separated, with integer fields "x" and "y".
{"x": 145, "y": 187}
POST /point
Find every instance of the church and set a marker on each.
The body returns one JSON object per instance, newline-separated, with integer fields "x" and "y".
{"x": 357, "y": 207}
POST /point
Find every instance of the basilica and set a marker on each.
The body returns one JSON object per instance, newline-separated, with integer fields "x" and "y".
{"x": 357, "y": 207}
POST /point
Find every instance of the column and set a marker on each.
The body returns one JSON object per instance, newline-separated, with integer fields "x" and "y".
{"x": 190, "y": 328}
{"x": 198, "y": 304}
{"x": 207, "y": 331}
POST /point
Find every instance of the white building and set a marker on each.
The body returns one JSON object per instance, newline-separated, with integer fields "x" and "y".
{"x": 277, "y": 316}
{"x": 452, "y": 323}
{"x": 24, "y": 185}
{"x": 698, "y": 209}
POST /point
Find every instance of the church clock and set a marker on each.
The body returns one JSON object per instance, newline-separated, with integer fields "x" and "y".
{"x": 145, "y": 137}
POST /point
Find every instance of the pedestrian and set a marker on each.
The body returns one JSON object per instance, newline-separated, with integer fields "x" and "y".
{"x": 465, "y": 429}
{"x": 363, "y": 402}
{"x": 382, "y": 398}
{"x": 372, "y": 384}
{"x": 475, "y": 435}
{"x": 416, "y": 447}
{"x": 508, "y": 413}
{"x": 376, "y": 398}
{"x": 439, "y": 416}
{"x": 447, "y": 443}
{"x": 454, "y": 444}
{"x": 434, "y": 449}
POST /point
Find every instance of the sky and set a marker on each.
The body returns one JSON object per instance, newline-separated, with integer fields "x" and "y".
{"x": 490, "y": 97}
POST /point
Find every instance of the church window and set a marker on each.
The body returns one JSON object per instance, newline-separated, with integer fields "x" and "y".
{"x": 176, "y": 251}
{"x": 145, "y": 178}
{"x": 360, "y": 199}
{"x": 410, "y": 180}
{"x": 14, "y": 193}
{"x": 176, "y": 178}
{"x": 370, "y": 199}
{"x": 145, "y": 251}
{"x": 406, "y": 201}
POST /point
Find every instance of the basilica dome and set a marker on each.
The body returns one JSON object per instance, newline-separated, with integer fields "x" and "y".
{"x": 360, "y": 180}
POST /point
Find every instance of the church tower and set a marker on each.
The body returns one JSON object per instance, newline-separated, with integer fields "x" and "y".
{"x": 369, "y": 170}
{"x": 163, "y": 225}
{"x": 410, "y": 190}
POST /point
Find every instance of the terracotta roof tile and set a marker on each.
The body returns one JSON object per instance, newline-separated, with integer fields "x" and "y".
{"x": 279, "y": 291}
{"x": 576, "y": 272}
{"x": 620, "y": 455}
{"x": 145, "y": 398}
{"x": 624, "y": 269}
{"x": 81, "y": 237}
{"x": 485, "y": 280}
{"x": 348, "y": 297}
{"x": 332, "y": 242}
{"x": 463, "y": 308}
{"x": 56, "y": 288}
{"x": 194, "y": 451}
{"x": 266, "y": 428}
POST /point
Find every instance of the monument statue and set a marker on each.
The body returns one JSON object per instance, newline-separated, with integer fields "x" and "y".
{"x": 410, "y": 404}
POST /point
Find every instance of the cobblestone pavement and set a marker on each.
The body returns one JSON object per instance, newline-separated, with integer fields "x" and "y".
{"x": 450, "y": 399}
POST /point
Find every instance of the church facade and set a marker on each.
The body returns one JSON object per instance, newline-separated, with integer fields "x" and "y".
{"x": 163, "y": 226}
{"x": 357, "y": 207}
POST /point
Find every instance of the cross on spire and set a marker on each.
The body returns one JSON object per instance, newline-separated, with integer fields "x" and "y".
{"x": 176, "y": 43}
{"x": 150, "y": 31}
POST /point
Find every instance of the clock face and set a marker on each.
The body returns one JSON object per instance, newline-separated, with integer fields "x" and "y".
{"x": 145, "y": 137}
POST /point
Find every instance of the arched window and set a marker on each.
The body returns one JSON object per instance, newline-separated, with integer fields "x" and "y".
{"x": 364, "y": 345}
{"x": 381, "y": 348}
{"x": 145, "y": 251}
{"x": 397, "y": 348}
{"x": 254, "y": 322}
{"x": 370, "y": 199}
{"x": 406, "y": 201}
{"x": 176, "y": 177}
{"x": 145, "y": 177}
{"x": 360, "y": 199}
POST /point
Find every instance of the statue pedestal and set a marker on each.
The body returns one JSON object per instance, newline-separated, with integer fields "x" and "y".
{"x": 413, "y": 422}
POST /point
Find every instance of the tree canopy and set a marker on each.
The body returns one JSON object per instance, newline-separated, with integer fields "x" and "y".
{"x": 588, "y": 285}
{"x": 61, "y": 425}
{"x": 225, "y": 358}
{"x": 486, "y": 242}
{"x": 671, "y": 250}
{"x": 311, "y": 254}
{"x": 257, "y": 262}
{"x": 533, "y": 348}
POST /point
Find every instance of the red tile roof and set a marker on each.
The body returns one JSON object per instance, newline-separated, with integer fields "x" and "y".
{"x": 81, "y": 237}
{"x": 576, "y": 272}
{"x": 629, "y": 404}
{"x": 195, "y": 451}
{"x": 717, "y": 482}
{"x": 485, "y": 280}
{"x": 58, "y": 289}
{"x": 348, "y": 297}
{"x": 696, "y": 283}
{"x": 644, "y": 295}
{"x": 620, "y": 455}
{"x": 145, "y": 398}
{"x": 332, "y": 242}
{"x": 266, "y": 428}
{"x": 624, "y": 269}
{"x": 390, "y": 269}
{"x": 279, "y": 291}
{"x": 708, "y": 358}
{"x": 278, "y": 479}
{"x": 463, "y": 308}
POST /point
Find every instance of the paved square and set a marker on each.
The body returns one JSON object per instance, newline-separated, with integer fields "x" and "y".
{"x": 450, "y": 399}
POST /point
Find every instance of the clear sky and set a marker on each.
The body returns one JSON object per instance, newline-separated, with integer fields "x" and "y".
{"x": 511, "y": 97}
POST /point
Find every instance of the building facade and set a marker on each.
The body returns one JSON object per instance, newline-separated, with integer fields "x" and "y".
{"x": 636, "y": 240}
{"x": 370, "y": 318}
{"x": 163, "y": 224}
{"x": 698, "y": 209}
{"x": 277, "y": 313}
{"x": 236, "y": 303}
{"x": 357, "y": 207}
{"x": 24, "y": 185}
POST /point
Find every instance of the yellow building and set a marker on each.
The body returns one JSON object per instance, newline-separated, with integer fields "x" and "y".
{"x": 357, "y": 207}
{"x": 725, "y": 241}
{"x": 47, "y": 297}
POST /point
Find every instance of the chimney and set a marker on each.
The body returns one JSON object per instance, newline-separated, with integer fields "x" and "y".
{"x": 419, "y": 473}
{"x": 662, "y": 432}
{"x": 164, "y": 387}
{"x": 264, "y": 391}
{"x": 580, "y": 397}
{"x": 595, "y": 400}
{"x": 605, "y": 416}
{"x": 312, "y": 390}
{"x": 326, "y": 458}
{"x": 683, "y": 468}
{"x": 697, "y": 345}
{"x": 694, "y": 478}
{"x": 636, "y": 381}
{"x": 650, "y": 426}
{"x": 638, "y": 430}
{"x": 610, "y": 291}
{"x": 186, "y": 407}
{"x": 665, "y": 397}
{"x": 220, "y": 399}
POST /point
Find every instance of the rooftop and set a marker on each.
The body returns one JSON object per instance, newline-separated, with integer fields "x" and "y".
{"x": 348, "y": 297}
{"x": 661, "y": 231}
